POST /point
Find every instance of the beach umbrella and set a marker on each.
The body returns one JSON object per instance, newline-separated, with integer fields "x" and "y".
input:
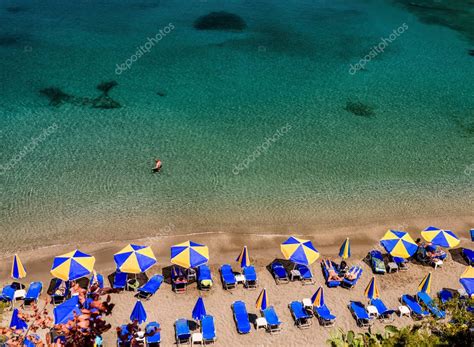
{"x": 399, "y": 244}
{"x": 262, "y": 300}
{"x": 243, "y": 257}
{"x": 138, "y": 313}
{"x": 345, "y": 251}
{"x": 318, "y": 297}
{"x": 134, "y": 259}
{"x": 439, "y": 237}
{"x": 18, "y": 271}
{"x": 199, "y": 309}
{"x": 425, "y": 284}
{"x": 72, "y": 265}
{"x": 467, "y": 280}
{"x": 189, "y": 254}
{"x": 299, "y": 251}
{"x": 64, "y": 312}
{"x": 372, "y": 290}
{"x": 17, "y": 323}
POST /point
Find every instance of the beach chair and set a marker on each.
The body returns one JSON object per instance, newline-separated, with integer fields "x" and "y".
{"x": 33, "y": 293}
{"x": 153, "y": 339}
{"x": 241, "y": 317}
{"x": 347, "y": 283}
{"x": 427, "y": 301}
{"x": 98, "y": 278}
{"x": 360, "y": 314}
{"x": 327, "y": 265}
{"x": 183, "y": 333}
{"x": 8, "y": 295}
{"x": 227, "y": 277}
{"x": 120, "y": 280}
{"x": 305, "y": 273}
{"x": 325, "y": 318}
{"x": 204, "y": 277}
{"x": 301, "y": 317}
{"x": 250, "y": 277}
{"x": 401, "y": 263}
{"x": 56, "y": 296}
{"x": 377, "y": 263}
{"x": 179, "y": 281}
{"x": 208, "y": 329}
{"x": 150, "y": 288}
{"x": 416, "y": 310}
{"x": 384, "y": 314}
{"x": 445, "y": 295}
{"x": 279, "y": 273}
{"x": 125, "y": 338}
{"x": 468, "y": 255}
{"x": 273, "y": 323}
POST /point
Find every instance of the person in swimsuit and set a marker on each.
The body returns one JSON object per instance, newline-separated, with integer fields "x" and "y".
{"x": 158, "y": 165}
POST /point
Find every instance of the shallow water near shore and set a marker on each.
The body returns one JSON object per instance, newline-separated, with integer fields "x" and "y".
{"x": 205, "y": 101}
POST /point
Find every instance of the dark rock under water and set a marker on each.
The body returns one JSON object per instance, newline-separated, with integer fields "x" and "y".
{"x": 220, "y": 21}
{"x": 105, "y": 87}
{"x": 8, "y": 40}
{"x": 360, "y": 109}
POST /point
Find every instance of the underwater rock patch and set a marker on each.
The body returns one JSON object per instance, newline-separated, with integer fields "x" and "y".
{"x": 161, "y": 93}
{"x": 220, "y": 21}
{"x": 360, "y": 109}
{"x": 105, "y": 87}
{"x": 56, "y": 96}
{"x": 471, "y": 52}
{"x": 8, "y": 40}
{"x": 16, "y": 9}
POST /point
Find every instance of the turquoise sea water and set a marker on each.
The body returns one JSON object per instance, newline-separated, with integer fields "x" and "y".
{"x": 224, "y": 94}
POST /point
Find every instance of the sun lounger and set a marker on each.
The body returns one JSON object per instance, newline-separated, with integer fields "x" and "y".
{"x": 416, "y": 310}
{"x": 98, "y": 278}
{"x": 8, "y": 295}
{"x": 279, "y": 273}
{"x": 33, "y": 293}
{"x": 445, "y": 295}
{"x": 305, "y": 273}
{"x": 179, "y": 280}
{"x": 430, "y": 304}
{"x": 125, "y": 337}
{"x": 227, "y": 277}
{"x": 150, "y": 288}
{"x": 326, "y": 265}
{"x": 273, "y": 323}
{"x": 401, "y": 263}
{"x": 183, "y": 333}
{"x": 299, "y": 314}
{"x": 120, "y": 280}
{"x": 347, "y": 283}
{"x": 468, "y": 255}
{"x": 208, "y": 329}
{"x": 241, "y": 317}
{"x": 56, "y": 296}
{"x": 360, "y": 314}
{"x": 250, "y": 277}
{"x": 204, "y": 277}
{"x": 377, "y": 262}
{"x": 155, "y": 339}
{"x": 384, "y": 313}
{"x": 324, "y": 316}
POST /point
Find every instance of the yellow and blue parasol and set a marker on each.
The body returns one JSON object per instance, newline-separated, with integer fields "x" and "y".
{"x": 425, "y": 284}
{"x": 372, "y": 290}
{"x": 318, "y": 297}
{"x": 134, "y": 259}
{"x": 72, "y": 265}
{"x": 243, "y": 257}
{"x": 467, "y": 280}
{"x": 399, "y": 244}
{"x": 440, "y": 237}
{"x": 189, "y": 254}
{"x": 299, "y": 251}
{"x": 345, "y": 251}
{"x": 262, "y": 300}
{"x": 18, "y": 270}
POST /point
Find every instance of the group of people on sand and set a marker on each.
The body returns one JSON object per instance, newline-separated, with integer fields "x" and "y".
{"x": 429, "y": 250}
{"x": 343, "y": 272}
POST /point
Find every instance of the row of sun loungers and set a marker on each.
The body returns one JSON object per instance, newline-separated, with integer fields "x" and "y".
{"x": 345, "y": 282}
{"x": 12, "y": 293}
{"x": 300, "y": 271}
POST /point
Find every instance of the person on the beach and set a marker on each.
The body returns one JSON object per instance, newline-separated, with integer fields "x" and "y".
{"x": 343, "y": 268}
{"x": 158, "y": 165}
{"x": 332, "y": 274}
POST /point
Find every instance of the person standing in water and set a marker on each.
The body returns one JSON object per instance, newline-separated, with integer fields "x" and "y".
{"x": 158, "y": 165}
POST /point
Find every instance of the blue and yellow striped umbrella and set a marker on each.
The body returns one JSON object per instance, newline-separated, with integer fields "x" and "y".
{"x": 439, "y": 237}
{"x": 262, "y": 300}
{"x": 467, "y": 280}
{"x": 318, "y": 297}
{"x": 425, "y": 284}
{"x": 299, "y": 251}
{"x": 18, "y": 271}
{"x": 345, "y": 251}
{"x": 399, "y": 244}
{"x": 372, "y": 290}
{"x": 243, "y": 257}
{"x": 189, "y": 254}
{"x": 72, "y": 265}
{"x": 134, "y": 259}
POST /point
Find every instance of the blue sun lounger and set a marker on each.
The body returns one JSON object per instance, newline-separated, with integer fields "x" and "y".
{"x": 325, "y": 318}
{"x": 383, "y": 311}
{"x": 59, "y": 298}
{"x": 333, "y": 265}
{"x": 120, "y": 280}
{"x": 250, "y": 277}
{"x": 279, "y": 273}
{"x": 468, "y": 254}
{"x": 241, "y": 317}
{"x": 401, "y": 263}
{"x": 445, "y": 295}
{"x": 416, "y": 310}
{"x": 8, "y": 294}
{"x": 183, "y": 334}
{"x": 227, "y": 277}
{"x": 204, "y": 277}
{"x": 208, "y": 329}
{"x": 273, "y": 323}
{"x": 360, "y": 314}
{"x": 430, "y": 304}
{"x": 126, "y": 338}
{"x": 305, "y": 273}
{"x": 376, "y": 262}
{"x": 347, "y": 283}
{"x": 33, "y": 293}
{"x": 150, "y": 288}
{"x": 155, "y": 339}
{"x": 299, "y": 314}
